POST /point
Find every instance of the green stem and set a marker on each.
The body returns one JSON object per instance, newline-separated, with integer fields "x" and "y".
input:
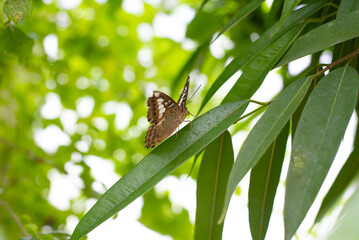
{"x": 250, "y": 113}
{"x": 260, "y": 103}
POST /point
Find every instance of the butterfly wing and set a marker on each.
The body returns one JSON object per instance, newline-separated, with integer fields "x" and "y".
{"x": 153, "y": 136}
{"x": 158, "y": 104}
{"x": 183, "y": 98}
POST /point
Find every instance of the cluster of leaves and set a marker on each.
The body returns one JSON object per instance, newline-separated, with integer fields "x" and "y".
{"x": 312, "y": 109}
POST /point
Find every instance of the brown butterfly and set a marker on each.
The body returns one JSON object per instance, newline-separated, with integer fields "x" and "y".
{"x": 166, "y": 115}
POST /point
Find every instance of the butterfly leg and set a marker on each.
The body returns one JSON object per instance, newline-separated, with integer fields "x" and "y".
{"x": 190, "y": 123}
{"x": 192, "y": 114}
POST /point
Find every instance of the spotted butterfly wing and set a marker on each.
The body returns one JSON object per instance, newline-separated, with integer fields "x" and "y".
{"x": 165, "y": 114}
{"x": 157, "y": 106}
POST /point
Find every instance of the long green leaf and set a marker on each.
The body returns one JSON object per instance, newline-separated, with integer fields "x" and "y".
{"x": 263, "y": 185}
{"x": 257, "y": 47}
{"x": 212, "y": 180}
{"x": 257, "y": 69}
{"x": 288, "y": 8}
{"x": 342, "y": 181}
{"x": 322, "y": 37}
{"x": 347, "y": 6}
{"x": 318, "y": 135}
{"x": 272, "y": 16}
{"x": 347, "y": 225}
{"x": 245, "y": 11}
{"x": 160, "y": 162}
{"x": 264, "y": 133}
{"x": 348, "y": 172}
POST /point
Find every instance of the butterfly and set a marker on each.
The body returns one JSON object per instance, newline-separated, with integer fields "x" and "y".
{"x": 165, "y": 114}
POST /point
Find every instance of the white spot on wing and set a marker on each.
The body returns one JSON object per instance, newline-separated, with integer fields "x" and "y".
{"x": 162, "y": 110}
{"x": 160, "y": 100}
{"x": 160, "y": 106}
{"x": 156, "y": 94}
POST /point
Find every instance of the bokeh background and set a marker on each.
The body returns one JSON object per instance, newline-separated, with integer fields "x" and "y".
{"x": 74, "y": 79}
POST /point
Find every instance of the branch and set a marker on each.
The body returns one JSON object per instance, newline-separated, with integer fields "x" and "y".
{"x": 351, "y": 55}
{"x": 16, "y": 219}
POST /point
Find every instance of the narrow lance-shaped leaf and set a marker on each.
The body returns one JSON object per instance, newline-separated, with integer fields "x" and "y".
{"x": 320, "y": 130}
{"x": 245, "y": 11}
{"x": 288, "y": 8}
{"x": 160, "y": 162}
{"x": 346, "y": 227}
{"x": 342, "y": 181}
{"x": 348, "y": 172}
{"x": 264, "y": 132}
{"x": 322, "y": 37}
{"x": 256, "y": 70}
{"x": 347, "y": 6}
{"x": 272, "y": 17}
{"x": 212, "y": 180}
{"x": 257, "y": 47}
{"x": 263, "y": 185}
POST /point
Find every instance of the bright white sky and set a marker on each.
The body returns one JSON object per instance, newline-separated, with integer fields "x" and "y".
{"x": 182, "y": 190}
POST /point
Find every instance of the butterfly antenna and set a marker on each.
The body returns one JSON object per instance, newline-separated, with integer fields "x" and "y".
{"x": 189, "y": 100}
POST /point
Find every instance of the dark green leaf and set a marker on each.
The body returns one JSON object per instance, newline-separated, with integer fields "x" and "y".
{"x": 212, "y": 180}
{"x": 264, "y": 133}
{"x": 263, "y": 185}
{"x": 257, "y": 47}
{"x": 335, "y": 31}
{"x": 160, "y": 162}
{"x": 257, "y": 69}
{"x": 347, "y": 6}
{"x": 245, "y": 11}
{"x": 288, "y": 8}
{"x": 318, "y": 135}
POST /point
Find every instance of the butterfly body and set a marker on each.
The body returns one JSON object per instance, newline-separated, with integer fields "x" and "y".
{"x": 165, "y": 114}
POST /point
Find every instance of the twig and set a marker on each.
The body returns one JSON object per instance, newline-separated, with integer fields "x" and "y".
{"x": 250, "y": 113}
{"x": 13, "y": 215}
{"x": 351, "y": 55}
{"x": 260, "y": 103}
